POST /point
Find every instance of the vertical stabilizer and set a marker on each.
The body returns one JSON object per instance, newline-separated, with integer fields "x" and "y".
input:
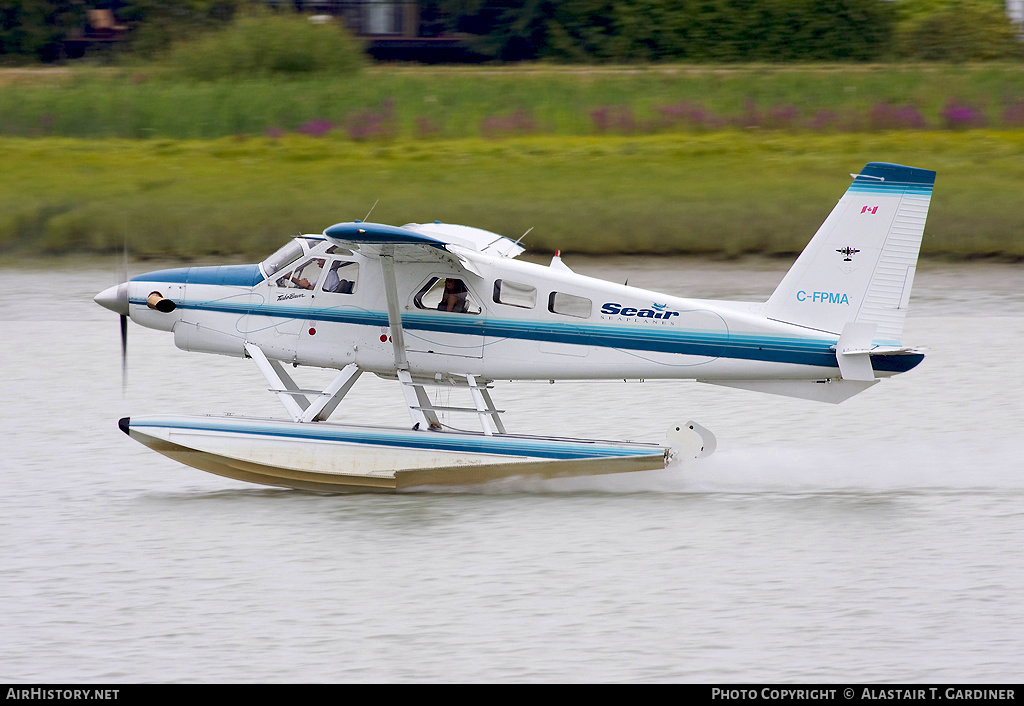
{"x": 859, "y": 266}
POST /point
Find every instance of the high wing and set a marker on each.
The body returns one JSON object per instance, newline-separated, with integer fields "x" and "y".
{"x": 418, "y": 241}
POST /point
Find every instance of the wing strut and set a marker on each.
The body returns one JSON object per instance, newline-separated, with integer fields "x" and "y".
{"x": 387, "y": 264}
{"x": 420, "y": 408}
{"x": 415, "y": 396}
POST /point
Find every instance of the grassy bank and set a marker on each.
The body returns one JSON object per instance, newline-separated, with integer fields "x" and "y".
{"x": 395, "y": 102}
{"x": 723, "y": 193}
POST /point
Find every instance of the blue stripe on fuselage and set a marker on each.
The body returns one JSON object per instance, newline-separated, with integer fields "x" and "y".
{"x": 710, "y": 344}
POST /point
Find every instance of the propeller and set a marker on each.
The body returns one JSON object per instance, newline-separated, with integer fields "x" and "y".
{"x": 124, "y": 315}
{"x": 115, "y": 298}
{"x": 124, "y": 354}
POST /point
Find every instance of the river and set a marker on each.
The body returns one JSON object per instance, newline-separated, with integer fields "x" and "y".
{"x": 876, "y": 540}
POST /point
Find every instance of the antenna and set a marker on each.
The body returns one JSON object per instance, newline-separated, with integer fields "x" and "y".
{"x": 371, "y": 209}
{"x": 524, "y": 234}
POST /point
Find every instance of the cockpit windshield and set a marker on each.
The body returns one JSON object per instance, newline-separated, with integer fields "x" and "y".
{"x": 286, "y": 255}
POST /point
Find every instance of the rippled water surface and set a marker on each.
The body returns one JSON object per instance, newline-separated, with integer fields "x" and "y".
{"x": 876, "y": 540}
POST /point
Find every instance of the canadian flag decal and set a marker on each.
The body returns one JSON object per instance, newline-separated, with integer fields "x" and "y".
{"x": 869, "y": 209}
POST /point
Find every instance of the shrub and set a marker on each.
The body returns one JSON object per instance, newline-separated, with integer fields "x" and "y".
{"x": 265, "y": 44}
{"x": 956, "y": 30}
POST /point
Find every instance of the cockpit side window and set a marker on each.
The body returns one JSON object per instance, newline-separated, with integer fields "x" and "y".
{"x": 446, "y": 294}
{"x": 304, "y": 276}
{"x": 341, "y": 277}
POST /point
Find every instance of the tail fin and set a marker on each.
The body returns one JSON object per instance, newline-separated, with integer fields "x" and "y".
{"x": 859, "y": 266}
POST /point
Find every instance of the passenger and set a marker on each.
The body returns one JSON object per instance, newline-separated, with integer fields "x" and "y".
{"x": 333, "y": 281}
{"x": 454, "y": 297}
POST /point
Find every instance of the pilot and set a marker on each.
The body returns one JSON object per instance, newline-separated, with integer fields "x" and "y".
{"x": 454, "y": 297}
{"x": 301, "y": 282}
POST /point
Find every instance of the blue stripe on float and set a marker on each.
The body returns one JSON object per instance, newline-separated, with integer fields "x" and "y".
{"x": 433, "y": 441}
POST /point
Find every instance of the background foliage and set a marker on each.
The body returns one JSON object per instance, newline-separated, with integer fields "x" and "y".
{"x": 594, "y": 30}
{"x": 37, "y": 28}
{"x": 262, "y": 43}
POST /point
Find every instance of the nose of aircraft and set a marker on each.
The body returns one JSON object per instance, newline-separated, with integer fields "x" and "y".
{"x": 114, "y": 298}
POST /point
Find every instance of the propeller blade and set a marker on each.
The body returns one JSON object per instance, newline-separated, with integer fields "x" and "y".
{"x": 124, "y": 353}
{"x": 124, "y": 319}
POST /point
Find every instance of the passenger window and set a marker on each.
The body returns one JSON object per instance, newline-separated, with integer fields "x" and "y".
{"x": 304, "y": 276}
{"x": 515, "y": 294}
{"x": 446, "y": 294}
{"x": 341, "y": 277}
{"x": 569, "y": 305}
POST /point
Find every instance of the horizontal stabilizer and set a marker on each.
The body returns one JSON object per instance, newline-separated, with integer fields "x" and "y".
{"x": 831, "y": 391}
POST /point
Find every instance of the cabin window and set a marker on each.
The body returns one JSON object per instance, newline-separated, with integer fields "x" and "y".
{"x": 304, "y": 276}
{"x": 446, "y": 294}
{"x": 341, "y": 277}
{"x": 515, "y": 294}
{"x": 569, "y": 305}
{"x": 338, "y": 250}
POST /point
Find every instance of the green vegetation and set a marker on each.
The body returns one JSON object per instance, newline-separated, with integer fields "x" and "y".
{"x": 955, "y": 30}
{"x": 731, "y": 30}
{"x": 388, "y": 102}
{"x": 724, "y": 193}
{"x": 655, "y": 30}
{"x": 261, "y": 44}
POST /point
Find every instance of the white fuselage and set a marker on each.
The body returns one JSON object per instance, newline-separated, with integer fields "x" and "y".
{"x": 528, "y": 321}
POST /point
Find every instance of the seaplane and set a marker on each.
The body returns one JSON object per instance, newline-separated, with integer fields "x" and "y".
{"x": 442, "y": 305}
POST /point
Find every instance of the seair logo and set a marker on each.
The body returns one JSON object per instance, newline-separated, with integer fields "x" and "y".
{"x": 658, "y": 311}
{"x": 822, "y": 297}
